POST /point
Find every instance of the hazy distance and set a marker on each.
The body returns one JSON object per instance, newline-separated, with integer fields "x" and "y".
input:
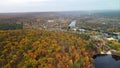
{"x": 57, "y": 5}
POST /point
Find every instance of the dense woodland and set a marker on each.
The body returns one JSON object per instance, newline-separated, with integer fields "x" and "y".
{"x": 10, "y": 26}
{"x": 47, "y": 49}
{"x": 44, "y": 49}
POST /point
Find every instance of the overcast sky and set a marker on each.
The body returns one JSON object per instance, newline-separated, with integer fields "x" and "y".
{"x": 57, "y": 5}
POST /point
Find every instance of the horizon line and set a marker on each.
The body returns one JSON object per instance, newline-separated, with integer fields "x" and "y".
{"x": 59, "y": 11}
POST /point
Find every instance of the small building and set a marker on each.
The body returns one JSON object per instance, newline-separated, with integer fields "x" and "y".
{"x": 50, "y": 21}
{"x": 81, "y": 30}
{"x": 111, "y": 39}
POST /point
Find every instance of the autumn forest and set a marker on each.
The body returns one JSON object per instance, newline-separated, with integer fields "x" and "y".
{"x": 45, "y": 40}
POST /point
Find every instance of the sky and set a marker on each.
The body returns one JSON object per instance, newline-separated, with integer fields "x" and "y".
{"x": 57, "y": 5}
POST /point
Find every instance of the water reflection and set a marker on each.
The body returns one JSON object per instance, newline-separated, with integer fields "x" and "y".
{"x": 72, "y": 24}
{"x": 106, "y": 61}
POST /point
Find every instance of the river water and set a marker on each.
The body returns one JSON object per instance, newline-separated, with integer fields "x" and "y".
{"x": 106, "y": 61}
{"x": 72, "y": 24}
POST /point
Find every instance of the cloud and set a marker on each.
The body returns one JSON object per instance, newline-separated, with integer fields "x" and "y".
{"x": 17, "y": 2}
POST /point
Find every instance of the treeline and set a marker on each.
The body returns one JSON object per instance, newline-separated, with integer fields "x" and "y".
{"x": 10, "y": 26}
{"x": 11, "y": 23}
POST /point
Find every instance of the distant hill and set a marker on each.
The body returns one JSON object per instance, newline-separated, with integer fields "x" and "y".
{"x": 65, "y": 13}
{"x": 111, "y": 13}
{"x": 38, "y": 14}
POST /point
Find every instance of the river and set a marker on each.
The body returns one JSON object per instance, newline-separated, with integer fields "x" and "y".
{"x": 106, "y": 61}
{"x": 72, "y": 24}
